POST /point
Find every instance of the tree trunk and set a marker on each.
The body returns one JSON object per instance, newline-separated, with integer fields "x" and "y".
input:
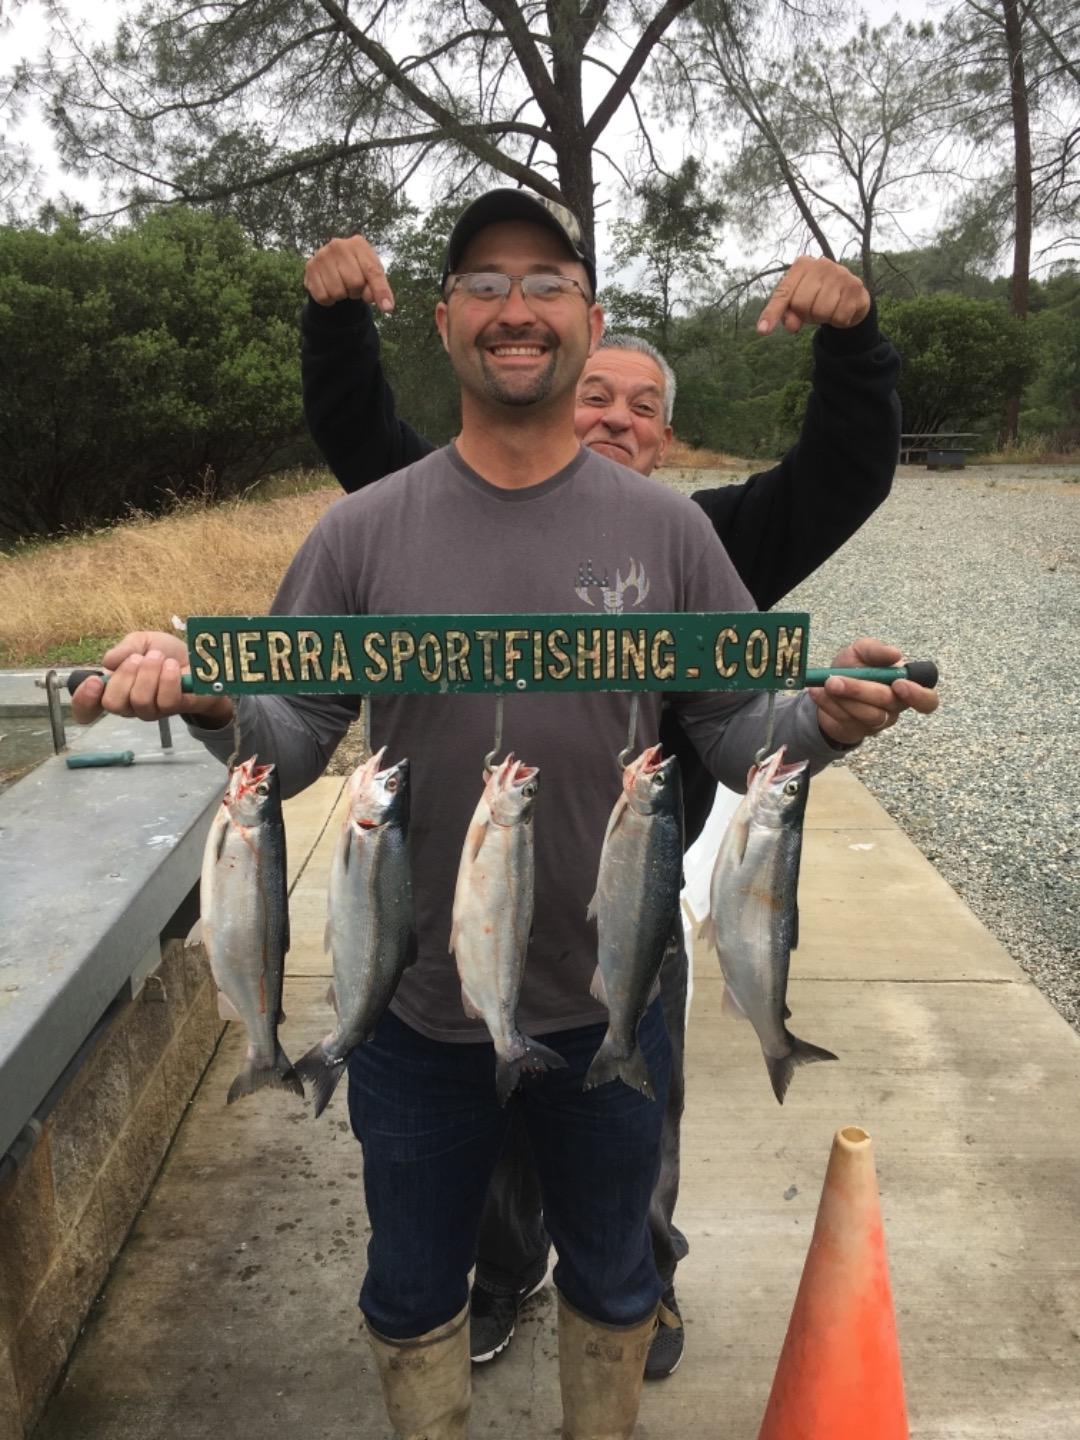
{"x": 1018, "y": 295}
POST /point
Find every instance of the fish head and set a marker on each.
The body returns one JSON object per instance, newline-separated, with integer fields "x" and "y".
{"x": 651, "y": 783}
{"x": 252, "y": 794}
{"x": 510, "y": 792}
{"x": 777, "y": 793}
{"x": 378, "y": 795}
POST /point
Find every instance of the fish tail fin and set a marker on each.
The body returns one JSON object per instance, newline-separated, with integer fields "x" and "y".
{"x": 608, "y": 1064}
{"x": 322, "y": 1073}
{"x": 781, "y": 1068}
{"x": 258, "y": 1074}
{"x": 525, "y": 1054}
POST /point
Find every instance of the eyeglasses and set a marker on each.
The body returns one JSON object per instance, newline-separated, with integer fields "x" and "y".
{"x": 493, "y": 285}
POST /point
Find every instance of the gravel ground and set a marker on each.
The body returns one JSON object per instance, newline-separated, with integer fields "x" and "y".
{"x": 979, "y": 571}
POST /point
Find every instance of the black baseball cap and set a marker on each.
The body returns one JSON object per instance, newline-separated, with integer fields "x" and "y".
{"x": 507, "y": 204}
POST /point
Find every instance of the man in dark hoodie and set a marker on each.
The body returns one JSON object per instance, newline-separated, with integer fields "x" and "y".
{"x": 778, "y": 527}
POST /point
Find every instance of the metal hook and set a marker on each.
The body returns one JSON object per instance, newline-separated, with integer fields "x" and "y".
{"x": 770, "y": 725}
{"x": 235, "y": 733}
{"x": 489, "y": 758}
{"x": 365, "y": 721}
{"x": 631, "y": 734}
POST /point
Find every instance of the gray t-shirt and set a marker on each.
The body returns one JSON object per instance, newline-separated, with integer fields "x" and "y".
{"x": 436, "y": 538}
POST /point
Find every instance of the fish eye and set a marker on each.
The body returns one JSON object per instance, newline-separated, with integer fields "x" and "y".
{"x": 791, "y": 787}
{"x": 391, "y": 784}
{"x": 262, "y": 788}
{"x": 529, "y": 790}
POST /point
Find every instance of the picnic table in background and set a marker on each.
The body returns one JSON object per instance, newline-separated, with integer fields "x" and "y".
{"x": 943, "y": 449}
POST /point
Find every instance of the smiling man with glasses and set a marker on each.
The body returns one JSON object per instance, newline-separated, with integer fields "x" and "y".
{"x": 777, "y": 527}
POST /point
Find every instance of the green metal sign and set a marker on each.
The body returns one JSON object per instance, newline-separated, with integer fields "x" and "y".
{"x": 478, "y": 654}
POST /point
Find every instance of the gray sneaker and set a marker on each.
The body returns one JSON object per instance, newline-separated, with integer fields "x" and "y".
{"x": 492, "y": 1319}
{"x": 668, "y": 1343}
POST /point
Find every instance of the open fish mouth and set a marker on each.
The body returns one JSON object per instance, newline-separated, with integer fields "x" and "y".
{"x": 772, "y": 768}
{"x": 248, "y": 774}
{"x": 652, "y": 760}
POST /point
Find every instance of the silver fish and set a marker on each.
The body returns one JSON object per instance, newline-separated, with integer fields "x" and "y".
{"x": 636, "y": 905}
{"x": 492, "y": 918}
{"x": 245, "y": 919}
{"x": 753, "y": 920}
{"x": 369, "y": 924}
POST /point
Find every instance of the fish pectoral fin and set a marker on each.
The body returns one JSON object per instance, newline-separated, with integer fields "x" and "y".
{"x": 226, "y": 1009}
{"x": 221, "y": 843}
{"x": 470, "y": 1009}
{"x": 597, "y": 988}
{"x": 331, "y": 998}
{"x": 730, "y": 1006}
{"x": 412, "y": 950}
{"x": 740, "y": 835}
{"x": 590, "y": 912}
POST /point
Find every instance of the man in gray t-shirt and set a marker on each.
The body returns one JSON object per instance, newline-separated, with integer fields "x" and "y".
{"x": 509, "y": 518}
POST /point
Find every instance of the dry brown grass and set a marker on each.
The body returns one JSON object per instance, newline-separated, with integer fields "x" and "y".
{"x": 685, "y": 457}
{"x": 63, "y": 600}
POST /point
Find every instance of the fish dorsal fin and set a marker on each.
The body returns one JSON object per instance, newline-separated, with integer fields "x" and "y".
{"x": 331, "y": 998}
{"x": 597, "y": 988}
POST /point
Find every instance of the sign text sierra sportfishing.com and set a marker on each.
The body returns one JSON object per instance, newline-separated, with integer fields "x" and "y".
{"x": 424, "y": 654}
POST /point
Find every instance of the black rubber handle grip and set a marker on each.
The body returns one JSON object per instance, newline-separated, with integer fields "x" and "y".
{"x": 923, "y": 672}
{"x": 76, "y": 678}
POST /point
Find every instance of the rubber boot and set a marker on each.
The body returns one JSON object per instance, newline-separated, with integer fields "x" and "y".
{"x": 601, "y": 1369}
{"x": 426, "y": 1383}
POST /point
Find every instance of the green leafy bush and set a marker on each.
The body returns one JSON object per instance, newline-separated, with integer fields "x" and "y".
{"x": 161, "y": 361}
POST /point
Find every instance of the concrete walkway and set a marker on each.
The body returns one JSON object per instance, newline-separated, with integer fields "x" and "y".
{"x": 230, "y": 1313}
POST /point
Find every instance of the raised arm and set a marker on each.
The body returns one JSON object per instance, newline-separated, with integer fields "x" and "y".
{"x": 348, "y": 404}
{"x": 783, "y": 523}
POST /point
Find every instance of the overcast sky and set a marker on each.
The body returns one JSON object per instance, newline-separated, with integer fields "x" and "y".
{"x": 27, "y": 35}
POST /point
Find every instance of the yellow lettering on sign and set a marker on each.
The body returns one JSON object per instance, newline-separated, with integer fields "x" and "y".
{"x": 487, "y": 640}
{"x": 458, "y": 646}
{"x": 538, "y": 654}
{"x": 244, "y": 641}
{"x": 227, "y": 651}
{"x": 633, "y": 654}
{"x": 512, "y": 652}
{"x": 662, "y": 655}
{"x": 309, "y": 648}
{"x": 204, "y": 645}
{"x": 279, "y": 651}
{"x": 402, "y": 648}
{"x": 611, "y": 663}
{"x": 374, "y": 644}
{"x": 587, "y": 652}
{"x": 789, "y": 652}
{"x": 340, "y": 666}
{"x": 429, "y": 655}
{"x": 723, "y": 665}
{"x": 757, "y": 653}
{"x": 562, "y": 666}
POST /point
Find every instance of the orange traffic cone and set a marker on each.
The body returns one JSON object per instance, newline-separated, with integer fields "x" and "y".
{"x": 839, "y": 1375}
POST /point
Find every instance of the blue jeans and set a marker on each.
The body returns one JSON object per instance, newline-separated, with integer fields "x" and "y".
{"x": 513, "y": 1250}
{"x": 432, "y": 1128}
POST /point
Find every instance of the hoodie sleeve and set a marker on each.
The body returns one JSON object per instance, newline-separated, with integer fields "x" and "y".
{"x": 348, "y": 404}
{"x": 783, "y": 523}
